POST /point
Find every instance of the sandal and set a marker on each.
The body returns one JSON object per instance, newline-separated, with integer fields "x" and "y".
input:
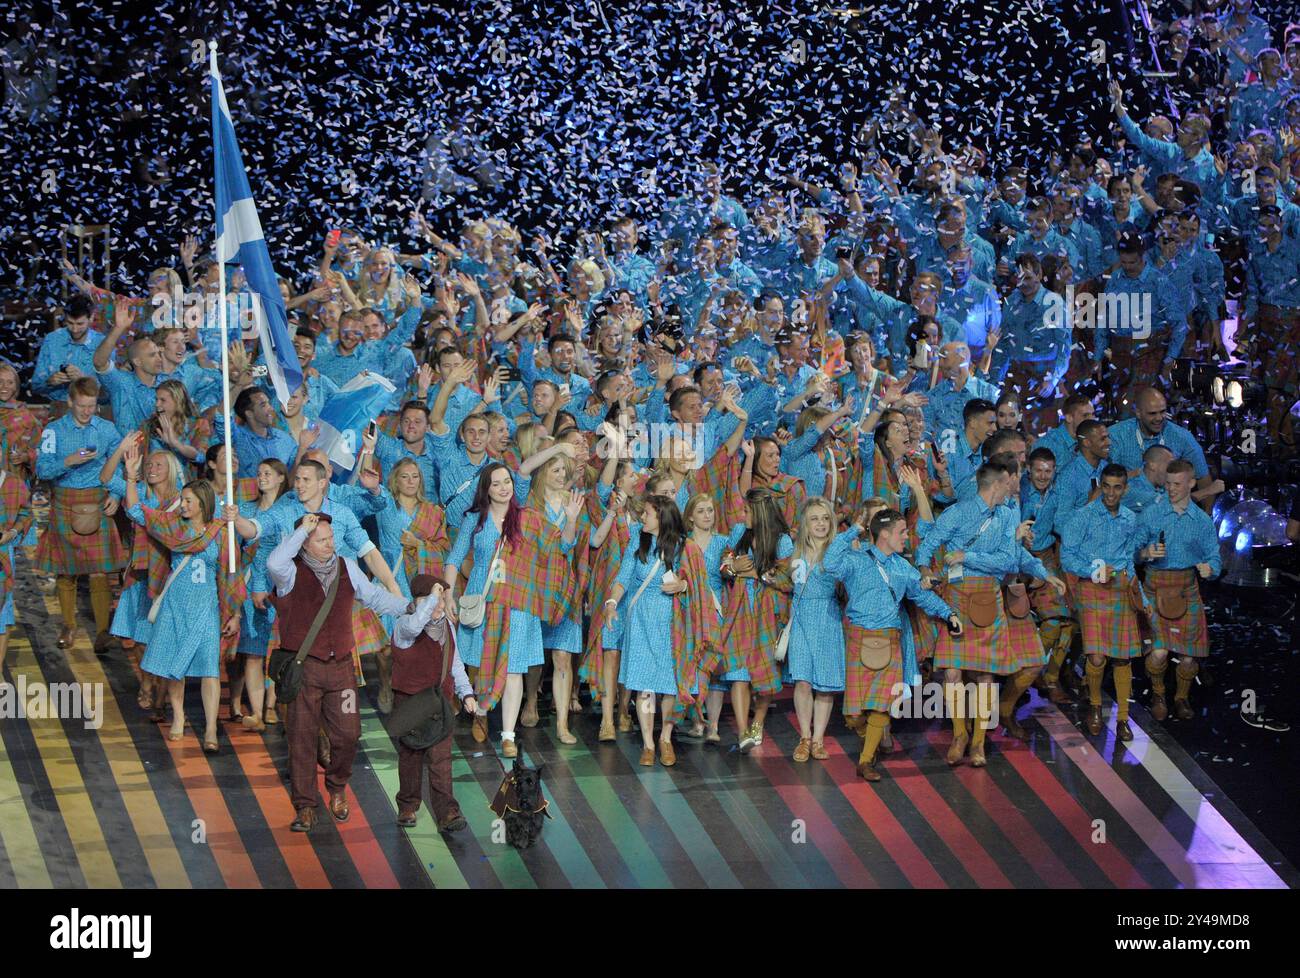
{"x": 819, "y": 752}
{"x": 271, "y": 717}
{"x": 211, "y": 747}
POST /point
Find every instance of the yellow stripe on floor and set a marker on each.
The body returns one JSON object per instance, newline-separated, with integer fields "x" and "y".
{"x": 17, "y": 833}
{"x": 65, "y": 777}
{"x": 132, "y": 781}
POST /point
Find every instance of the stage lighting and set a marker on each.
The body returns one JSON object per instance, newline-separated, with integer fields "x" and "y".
{"x": 1217, "y": 391}
{"x": 1252, "y": 544}
{"x": 1234, "y": 394}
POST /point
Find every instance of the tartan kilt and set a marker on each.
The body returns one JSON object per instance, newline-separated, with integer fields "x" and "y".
{"x": 1047, "y": 603}
{"x": 1023, "y": 648}
{"x": 368, "y": 634}
{"x": 871, "y": 689}
{"x": 1188, "y": 635}
{"x": 1024, "y": 378}
{"x": 1109, "y": 625}
{"x": 976, "y": 649}
{"x": 61, "y": 551}
{"x": 925, "y": 631}
{"x": 1279, "y": 338}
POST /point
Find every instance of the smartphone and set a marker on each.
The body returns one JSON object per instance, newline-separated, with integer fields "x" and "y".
{"x": 258, "y": 371}
{"x": 333, "y": 238}
{"x": 1161, "y": 540}
{"x": 844, "y": 254}
{"x": 512, "y": 373}
{"x": 372, "y": 430}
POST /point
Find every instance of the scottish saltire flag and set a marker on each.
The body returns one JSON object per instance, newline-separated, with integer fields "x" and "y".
{"x": 240, "y": 239}
{"x": 346, "y": 414}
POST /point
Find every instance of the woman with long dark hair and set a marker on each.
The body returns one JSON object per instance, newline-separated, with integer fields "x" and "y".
{"x": 757, "y": 562}
{"x": 666, "y": 626}
{"x": 522, "y": 579}
{"x": 762, "y": 470}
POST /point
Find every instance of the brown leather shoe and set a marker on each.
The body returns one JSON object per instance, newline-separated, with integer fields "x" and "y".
{"x": 478, "y": 728}
{"x": 802, "y": 751}
{"x": 453, "y": 821}
{"x": 305, "y": 822}
{"x": 667, "y": 756}
{"x": 1094, "y": 720}
{"x": 647, "y": 757}
{"x": 868, "y": 772}
{"x": 407, "y": 820}
{"x": 957, "y": 750}
{"x": 1183, "y": 710}
{"x": 105, "y": 643}
{"x": 1159, "y": 708}
{"x": 339, "y": 807}
{"x": 1013, "y": 727}
{"x": 67, "y": 635}
{"x": 1123, "y": 731}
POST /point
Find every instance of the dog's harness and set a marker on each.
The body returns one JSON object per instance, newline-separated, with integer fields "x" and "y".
{"x": 507, "y": 800}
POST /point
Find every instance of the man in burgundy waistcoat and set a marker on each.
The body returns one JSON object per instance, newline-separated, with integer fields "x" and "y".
{"x": 421, "y": 642}
{"x": 302, "y": 569}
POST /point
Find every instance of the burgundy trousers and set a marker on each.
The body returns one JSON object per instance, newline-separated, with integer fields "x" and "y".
{"x": 411, "y": 765}
{"x": 328, "y": 698}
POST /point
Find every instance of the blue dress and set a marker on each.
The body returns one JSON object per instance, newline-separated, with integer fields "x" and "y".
{"x": 567, "y": 635}
{"x": 254, "y": 623}
{"x": 393, "y": 521}
{"x": 647, "y": 664}
{"x": 131, "y": 617}
{"x": 816, "y": 651}
{"x": 186, "y": 638}
{"x": 612, "y": 637}
{"x": 525, "y": 628}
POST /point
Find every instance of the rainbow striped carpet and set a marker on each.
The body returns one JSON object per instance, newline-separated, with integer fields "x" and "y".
{"x": 119, "y": 806}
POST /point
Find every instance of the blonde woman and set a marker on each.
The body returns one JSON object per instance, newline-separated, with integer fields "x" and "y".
{"x": 815, "y": 654}
{"x": 549, "y": 495}
{"x": 382, "y": 287}
{"x": 174, "y": 426}
{"x": 701, "y": 521}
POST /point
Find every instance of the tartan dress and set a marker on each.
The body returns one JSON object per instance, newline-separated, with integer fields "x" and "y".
{"x": 534, "y": 578}
{"x": 754, "y": 615}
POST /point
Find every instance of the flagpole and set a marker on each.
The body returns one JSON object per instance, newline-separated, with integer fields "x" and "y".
{"x": 221, "y": 316}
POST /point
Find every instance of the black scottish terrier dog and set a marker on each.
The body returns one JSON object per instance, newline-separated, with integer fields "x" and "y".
{"x": 520, "y": 804}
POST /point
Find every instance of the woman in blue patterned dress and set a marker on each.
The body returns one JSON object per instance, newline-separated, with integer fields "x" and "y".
{"x": 701, "y": 518}
{"x": 186, "y": 637}
{"x": 255, "y": 624}
{"x": 815, "y": 657}
{"x": 494, "y": 506}
{"x": 608, "y": 542}
{"x": 649, "y": 665}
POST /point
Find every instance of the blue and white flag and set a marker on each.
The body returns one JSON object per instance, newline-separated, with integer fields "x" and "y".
{"x": 240, "y": 239}
{"x": 346, "y": 414}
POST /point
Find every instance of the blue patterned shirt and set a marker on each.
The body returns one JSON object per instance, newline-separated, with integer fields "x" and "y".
{"x": 1190, "y": 536}
{"x": 64, "y": 437}
{"x": 57, "y": 351}
{"x": 1128, "y": 444}
{"x": 1094, "y": 536}
{"x": 877, "y": 584}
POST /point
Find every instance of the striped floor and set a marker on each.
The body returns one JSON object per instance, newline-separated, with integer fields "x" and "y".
{"x": 119, "y": 806}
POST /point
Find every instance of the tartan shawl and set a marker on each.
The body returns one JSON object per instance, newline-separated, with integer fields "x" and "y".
{"x": 429, "y": 524}
{"x": 717, "y": 478}
{"x": 23, "y": 432}
{"x": 150, "y": 560}
{"x": 748, "y": 633}
{"x": 174, "y": 534}
{"x": 16, "y": 515}
{"x": 535, "y": 578}
{"x": 696, "y": 633}
{"x": 788, "y": 489}
{"x": 602, "y": 573}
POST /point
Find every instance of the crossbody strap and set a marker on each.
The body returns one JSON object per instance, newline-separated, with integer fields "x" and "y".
{"x": 491, "y": 574}
{"x": 156, "y": 607}
{"x": 321, "y": 615}
{"x": 648, "y": 578}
